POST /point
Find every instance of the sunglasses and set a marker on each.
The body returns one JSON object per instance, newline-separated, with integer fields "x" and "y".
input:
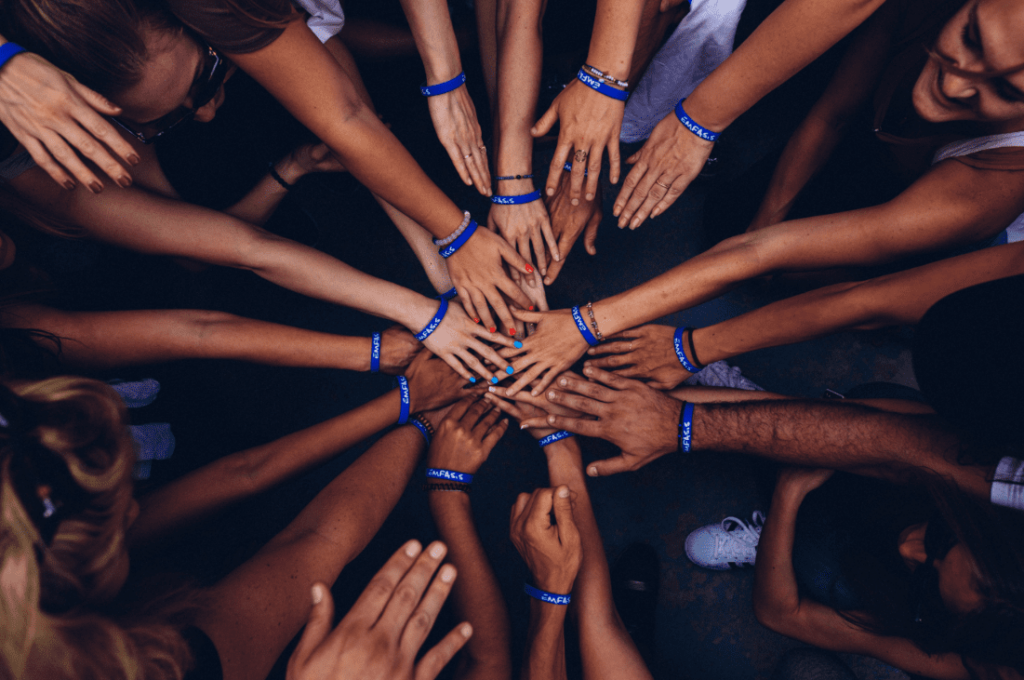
{"x": 204, "y": 88}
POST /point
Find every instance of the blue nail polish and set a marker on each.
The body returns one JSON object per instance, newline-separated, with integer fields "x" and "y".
{"x": 472, "y": 379}
{"x": 494, "y": 380}
{"x": 517, "y": 344}
{"x": 510, "y": 370}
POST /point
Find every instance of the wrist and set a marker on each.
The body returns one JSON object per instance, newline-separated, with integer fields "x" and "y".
{"x": 441, "y": 65}
{"x": 556, "y": 583}
{"x": 289, "y": 169}
{"x": 706, "y": 113}
{"x": 514, "y": 187}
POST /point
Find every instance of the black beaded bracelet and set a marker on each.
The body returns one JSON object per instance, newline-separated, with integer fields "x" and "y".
{"x": 446, "y": 486}
{"x": 273, "y": 173}
{"x": 510, "y": 177}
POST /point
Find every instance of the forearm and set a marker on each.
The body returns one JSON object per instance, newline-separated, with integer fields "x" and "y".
{"x": 476, "y": 595}
{"x": 259, "y": 204}
{"x": 99, "y": 340}
{"x": 255, "y": 470}
{"x": 422, "y": 244}
{"x": 792, "y": 36}
{"x": 431, "y": 26}
{"x": 545, "y": 646}
{"x": 775, "y": 588}
{"x": 615, "y": 29}
{"x": 520, "y": 54}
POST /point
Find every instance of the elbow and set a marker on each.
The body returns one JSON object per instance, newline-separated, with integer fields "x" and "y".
{"x": 256, "y": 250}
{"x": 775, "y": 614}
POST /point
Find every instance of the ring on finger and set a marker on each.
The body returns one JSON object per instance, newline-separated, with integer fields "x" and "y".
{"x": 666, "y": 186}
{"x": 581, "y": 155}
{"x": 468, "y": 155}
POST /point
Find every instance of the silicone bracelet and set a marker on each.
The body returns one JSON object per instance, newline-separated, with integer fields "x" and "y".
{"x": 553, "y": 437}
{"x": 686, "y": 427}
{"x": 375, "y": 353}
{"x": 681, "y": 353}
{"x": 422, "y": 428}
{"x": 403, "y": 391}
{"x": 582, "y": 325}
{"x": 601, "y": 75}
{"x": 448, "y": 294}
{"x": 693, "y": 126}
{"x": 442, "y": 309}
{"x": 442, "y": 88}
{"x": 516, "y": 200}
{"x": 568, "y": 168}
{"x": 449, "y": 475}
{"x": 8, "y": 50}
{"x": 605, "y": 89}
{"x": 545, "y": 596}
{"x": 454, "y": 246}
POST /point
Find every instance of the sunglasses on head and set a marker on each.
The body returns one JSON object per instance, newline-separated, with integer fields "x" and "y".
{"x": 203, "y": 89}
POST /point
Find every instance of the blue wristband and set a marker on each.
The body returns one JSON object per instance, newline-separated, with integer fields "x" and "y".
{"x": 422, "y": 428}
{"x": 8, "y": 50}
{"x": 692, "y": 125}
{"x": 568, "y": 168}
{"x": 516, "y": 200}
{"x": 681, "y": 353}
{"x": 449, "y": 294}
{"x": 375, "y": 353}
{"x": 403, "y": 390}
{"x": 686, "y": 427}
{"x": 582, "y": 325}
{"x": 553, "y": 437}
{"x": 597, "y": 85}
{"x": 545, "y": 596}
{"x": 452, "y": 247}
{"x": 442, "y": 88}
{"x": 442, "y": 309}
{"x": 449, "y": 475}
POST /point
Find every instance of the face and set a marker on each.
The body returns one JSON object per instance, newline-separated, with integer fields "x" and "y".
{"x": 171, "y": 78}
{"x": 984, "y": 36}
{"x": 958, "y": 585}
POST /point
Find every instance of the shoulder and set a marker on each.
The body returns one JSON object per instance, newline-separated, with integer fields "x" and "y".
{"x": 235, "y": 26}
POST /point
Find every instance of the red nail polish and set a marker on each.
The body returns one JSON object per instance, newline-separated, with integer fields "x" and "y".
{"x": 476, "y": 320}
{"x": 529, "y": 269}
{"x": 531, "y": 308}
{"x": 512, "y": 332}
{"x": 493, "y": 328}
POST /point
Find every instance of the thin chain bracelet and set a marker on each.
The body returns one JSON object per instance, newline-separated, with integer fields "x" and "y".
{"x": 593, "y": 322}
{"x": 601, "y": 75}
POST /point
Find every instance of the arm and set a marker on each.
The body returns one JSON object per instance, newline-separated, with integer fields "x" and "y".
{"x": 520, "y": 53}
{"x": 453, "y": 113}
{"x": 792, "y": 36}
{"x": 589, "y": 121}
{"x": 779, "y": 606}
{"x": 545, "y": 643}
{"x": 462, "y": 443}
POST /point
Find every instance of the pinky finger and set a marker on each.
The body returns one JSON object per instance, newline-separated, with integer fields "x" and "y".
{"x": 467, "y": 305}
{"x": 667, "y": 200}
{"x": 474, "y": 364}
{"x": 438, "y": 657}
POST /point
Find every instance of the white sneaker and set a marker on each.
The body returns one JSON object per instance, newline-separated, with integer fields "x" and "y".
{"x": 729, "y": 544}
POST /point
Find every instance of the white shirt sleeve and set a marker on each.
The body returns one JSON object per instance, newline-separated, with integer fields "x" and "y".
{"x": 326, "y": 18}
{"x": 1008, "y": 484}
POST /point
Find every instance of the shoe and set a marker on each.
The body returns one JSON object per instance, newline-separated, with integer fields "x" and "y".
{"x": 730, "y": 544}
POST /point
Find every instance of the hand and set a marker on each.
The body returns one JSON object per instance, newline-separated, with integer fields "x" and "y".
{"x": 589, "y": 122}
{"x": 552, "y": 551}
{"x": 532, "y": 286}
{"x": 315, "y": 158}
{"x": 53, "y": 115}
{"x": 379, "y": 637}
{"x": 800, "y": 481}
{"x": 477, "y": 270}
{"x": 647, "y": 352}
{"x": 398, "y": 347}
{"x": 432, "y": 383}
{"x": 466, "y": 436}
{"x": 524, "y": 225}
{"x": 662, "y": 169}
{"x": 459, "y": 132}
{"x": 457, "y": 335}
{"x": 524, "y": 406}
{"x": 568, "y": 221}
{"x": 553, "y": 347}
{"x": 641, "y": 421}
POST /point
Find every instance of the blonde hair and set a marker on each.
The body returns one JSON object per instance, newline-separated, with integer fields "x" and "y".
{"x": 83, "y": 423}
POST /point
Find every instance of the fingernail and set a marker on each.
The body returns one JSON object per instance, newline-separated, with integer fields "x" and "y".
{"x": 592, "y": 471}
{"x": 318, "y": 594}
{"x": 413, "y": 549}
{"x": 563, "y": 382}
{"x": 529, "y": 269}
{"x": 535, "y": 393}
{"x": 491, "y": 390}
{"x": 466, "y": 630}
{"x": 69, "y": 185}
{"x": 125, "y": 181}
{"x": 575, "y": 201}
{"x": 95, "y": 187}
{"x": 512, "y": 332}
{"x": 472, "y": 379}
{"x": 563, "y": 492}
{"x": 517, "y": 344}
{"x": 447, "y": 573}
{"x": 494, "y": 379}
{"x": 493, "y": 328}
{"x": 587, "y": 369}
{"x": 522, "y": 427}
{"x": 476, "y": 320}
{"x": 551, "y": 192}
{"x": 551, "y": 395}
{"x": 590, "y": 197}
{"x": 437, "y": 551}
{"x": 510, "y": 370}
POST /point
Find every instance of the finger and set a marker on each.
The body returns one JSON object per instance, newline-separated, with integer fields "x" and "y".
{"x": 407, "y": 594}
{"x": 593, "y": 175}
{"x": 562, "y": 152}
{"x": 95, "y": 100}
{"x": 511, "y": 408}
{"x": 378, "y": 592}
{"x": 654, "y": 196}
{"x": 475, "y": 364}
{"x": 611, "y": 361}
{"x": 468, "y": 306}
{"x": 578, "y": 175}
{"x": 590, "y": 234}
{"x": 455, "y": 362}
{"x": 477, "y": 168}
{"x": 570, "y": 382}
{"x": 540, "y": 509}
{"x": 458, "y": 410}
{"x": 613, "y": 160}
{"x": 524, "y": 381}
{"x": 422, "y": 619}
{"x": 568, "y": 534}
{"x": 495, "y": 433}
{"x": 459, "y": 161}
{"x": 628, "y": 187}
{"x": 516, "y": 294}
{"x": 587, "y": 428}
{"x": 576, "y": 402}
{"x": 522, "y": 500}
{"x": 473, "y": 414}
{"x": 101, "y": 129}
{"x": 617, "y": 347}
{"x": 434, "y": 661}
{"x": 43, "y": 159}
{"x": 674, "y": 192}
{"x": 611, "y": 380}
{"x": 483, "y": 310}
{"x": 630, "y": 214}
{"x": 515, "y": 260}
{"x": 555, "y": 269}
{"x": 546, "y": 122}
{"x": 539, "y": 251}
{"x": 89, "y": 147}
{"x": 58, "y": 148}
{"x": 609, "y": 466}
{"x": 318, "y": 626}
{"x": 527, "y": 316}
{"x": 488, "y": 415}
{"x": 549, "y": 238}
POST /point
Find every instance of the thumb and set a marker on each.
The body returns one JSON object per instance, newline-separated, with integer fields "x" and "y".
{"x": 528, "y": 317}
{"x": 609, "y": 466}
{"x": 96, "y": 101}
{"x": 546, "y": 122}
{"x": 319, "y": 152}
{"x": 317, "y": 627}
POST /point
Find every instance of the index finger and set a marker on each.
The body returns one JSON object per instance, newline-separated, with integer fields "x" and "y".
{"x": 557, "y": 164}
{"x": 377, "y": 593}
{"x": 102, "y": 130}
{"x": 540, "y": 509}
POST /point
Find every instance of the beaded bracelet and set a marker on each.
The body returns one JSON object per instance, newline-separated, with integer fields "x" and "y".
{"x": 442, "y": 309}
{"x": 455, "y": 234}
{"x": 582, "y": 325}
{"x": 403, "y": 391}
{"x": 446, "y": 486}
{"x": 8, "y": 50}
{"x": 375, "y": 353}
{"x": 277, "y": 177}
{"x": 516, "y": 200}
{"x": 512, "y": 177}
{"x": 453, "y": 247}
{"x": 445, "y": 87}
{"x": 593, "y": 321}
{"x": 449, "y": 475}
{"x": 677, "y": 343}
{"x": 553, "y": 437}
{"x": 693, "y": 126}
{"x": 424, "y": 427}
{"x": 603, "y": 88}
{"x": 601, "y": 75}
{"x": 545, "y": 596}
{"x": 685, "y": 427}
